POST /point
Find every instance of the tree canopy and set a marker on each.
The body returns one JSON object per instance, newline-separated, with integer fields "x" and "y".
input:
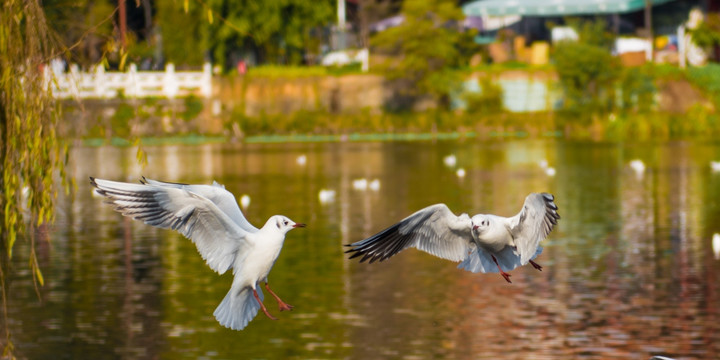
{"x": 424, "y": 50}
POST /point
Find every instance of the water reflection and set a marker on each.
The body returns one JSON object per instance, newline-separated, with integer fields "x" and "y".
{"x": 628, "y": 273}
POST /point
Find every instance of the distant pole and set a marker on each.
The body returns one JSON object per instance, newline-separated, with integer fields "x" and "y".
{"x": 341, "y": 24}
{"x": 123, "y": 22}
{"x": 648, "y": 27}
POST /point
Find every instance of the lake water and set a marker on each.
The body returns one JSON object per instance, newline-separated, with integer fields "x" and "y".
{"x": 628, "y": 273}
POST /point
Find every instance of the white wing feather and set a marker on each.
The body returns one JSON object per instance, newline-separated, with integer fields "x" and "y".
{"x": 217, "y": 237}
{"x": 434, "y": 229}
{"x": 216, "y": 193}
{"x": 533, "y": 224}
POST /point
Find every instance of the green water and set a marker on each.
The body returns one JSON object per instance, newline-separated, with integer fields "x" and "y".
{"x": 628, "y": 273}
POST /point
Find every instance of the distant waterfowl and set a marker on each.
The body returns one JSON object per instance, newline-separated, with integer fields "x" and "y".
{"x": 450, "y": 160}
{"x": 715, "y": 166}
{"x": 483, "y": 243}
{"x": 245, "y": 201}
{"x": 374, "y": 185}
{"x": 301, "y": 160}
{"x": 326, "y": 196}
{"x": 638, "y": 167}
{"x": 460, "y": 173}
{"x": 211, "y": 218}
{"x": 360, "y": 184}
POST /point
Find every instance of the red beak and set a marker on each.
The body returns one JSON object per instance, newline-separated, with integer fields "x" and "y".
{"x": 297, "y": 225}
{"x": 475, "y": 227}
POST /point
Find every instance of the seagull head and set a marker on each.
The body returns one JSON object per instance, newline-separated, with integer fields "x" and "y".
{"x": 283, "y": 224}
{"x": 480, "y": 223}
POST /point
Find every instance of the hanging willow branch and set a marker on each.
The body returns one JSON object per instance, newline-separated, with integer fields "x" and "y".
{"x": 31, "y": 153}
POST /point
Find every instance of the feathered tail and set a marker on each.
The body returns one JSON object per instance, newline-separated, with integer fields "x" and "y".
{"x": 238, "y": 308}
{"x": 480, "y": 261}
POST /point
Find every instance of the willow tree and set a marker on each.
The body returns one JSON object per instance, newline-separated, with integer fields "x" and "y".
{"x": 30, "y": 151}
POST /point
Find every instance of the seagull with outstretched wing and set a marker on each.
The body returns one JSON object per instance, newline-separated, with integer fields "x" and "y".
{"x": 483, "y": 243}
{"x": 209, "y": 216}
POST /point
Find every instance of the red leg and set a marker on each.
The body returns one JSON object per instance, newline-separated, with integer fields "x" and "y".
{"x": 504, "y": 274}
{"x": 536, "y": 265}
{"x": 283, "y": 305}
{"x": 263, "y": 306}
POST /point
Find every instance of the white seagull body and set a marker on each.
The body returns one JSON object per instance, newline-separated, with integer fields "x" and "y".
{"x": 483, "y": 243}
{"x": 209, "y": 216}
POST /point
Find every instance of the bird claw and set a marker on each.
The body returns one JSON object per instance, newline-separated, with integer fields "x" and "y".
{"x": 506, "y": 276}
{"x": 284, "y": 306}
{"x": 536, "y": 265}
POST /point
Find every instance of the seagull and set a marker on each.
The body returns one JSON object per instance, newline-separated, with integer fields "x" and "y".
{"x": 450, "y": 160}
{"x": 374, "y": 185}
{"x": 326, "y": 196}
{"x": 715, "y": 166}
{"x": 638, "y": 166}
{"x": 210, "y": 217}
{"x": 360, "y": 184}
{"x": 245, "y": 201}
{"x": 483, "y": 243}
{"x": 460, "y": 173}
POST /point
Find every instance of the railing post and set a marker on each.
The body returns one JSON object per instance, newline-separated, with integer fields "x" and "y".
{"x": 132, "y": 88}
{"x": 170, "y": 85}
{"x": 206, "y": 84}
{"x": 74, "y": 79}
{"x": 100, "y": 82}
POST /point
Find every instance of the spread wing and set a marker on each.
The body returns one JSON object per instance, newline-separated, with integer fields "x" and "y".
{"x": 434, "y": 229}
{"x": 218, "y": 238}
{"x": 533, "y": 224}
{"x": 216, "y": 193}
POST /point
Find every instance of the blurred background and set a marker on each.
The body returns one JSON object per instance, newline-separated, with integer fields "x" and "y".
{"x": 349, "y": 116}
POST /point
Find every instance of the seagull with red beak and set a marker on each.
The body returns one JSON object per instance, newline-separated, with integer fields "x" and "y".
{"x": 209, "y": 216}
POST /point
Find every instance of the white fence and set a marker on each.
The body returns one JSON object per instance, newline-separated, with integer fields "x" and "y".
{"x": 133, "y": 83}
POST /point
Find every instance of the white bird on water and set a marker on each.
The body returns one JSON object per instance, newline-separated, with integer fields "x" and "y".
{"x": 638, "y": 166}
{"x": 245, "y": 201}
{"x": 450, "y": 160}
{"x": 715, "y": 166}
{"x": 301, "y": 160}
{"x": 210, "y": 217}
{"x": 483, "y": 243}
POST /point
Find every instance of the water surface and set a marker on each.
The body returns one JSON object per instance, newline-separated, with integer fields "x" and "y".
{"x": 628, "y": 273}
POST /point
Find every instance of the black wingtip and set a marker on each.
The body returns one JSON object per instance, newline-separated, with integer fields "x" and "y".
{"x": 143, "y": 180}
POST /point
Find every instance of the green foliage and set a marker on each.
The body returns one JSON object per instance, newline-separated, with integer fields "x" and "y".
{"x": 30, "y": 150}
{"x": 637, "y": 89}
{"x": 183, "y": 27}
{"x": 707, "y": 78}
{"x": 698, "y": 123}
{"x": 87, "y": 28}
{"x": 488, "y": 101}
{"x": 279, "y": 30}
{"x": 707, "y": 34}
{"x": 423, "y": 51}
{"x": 193, "y": 108}
{"x": 277, "y": 71}
{"x": 588, "y": 72}
{"x": 120, "y": 121}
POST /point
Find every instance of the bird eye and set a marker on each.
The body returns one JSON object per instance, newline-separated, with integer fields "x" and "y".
{"x": 285, "y": 223}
